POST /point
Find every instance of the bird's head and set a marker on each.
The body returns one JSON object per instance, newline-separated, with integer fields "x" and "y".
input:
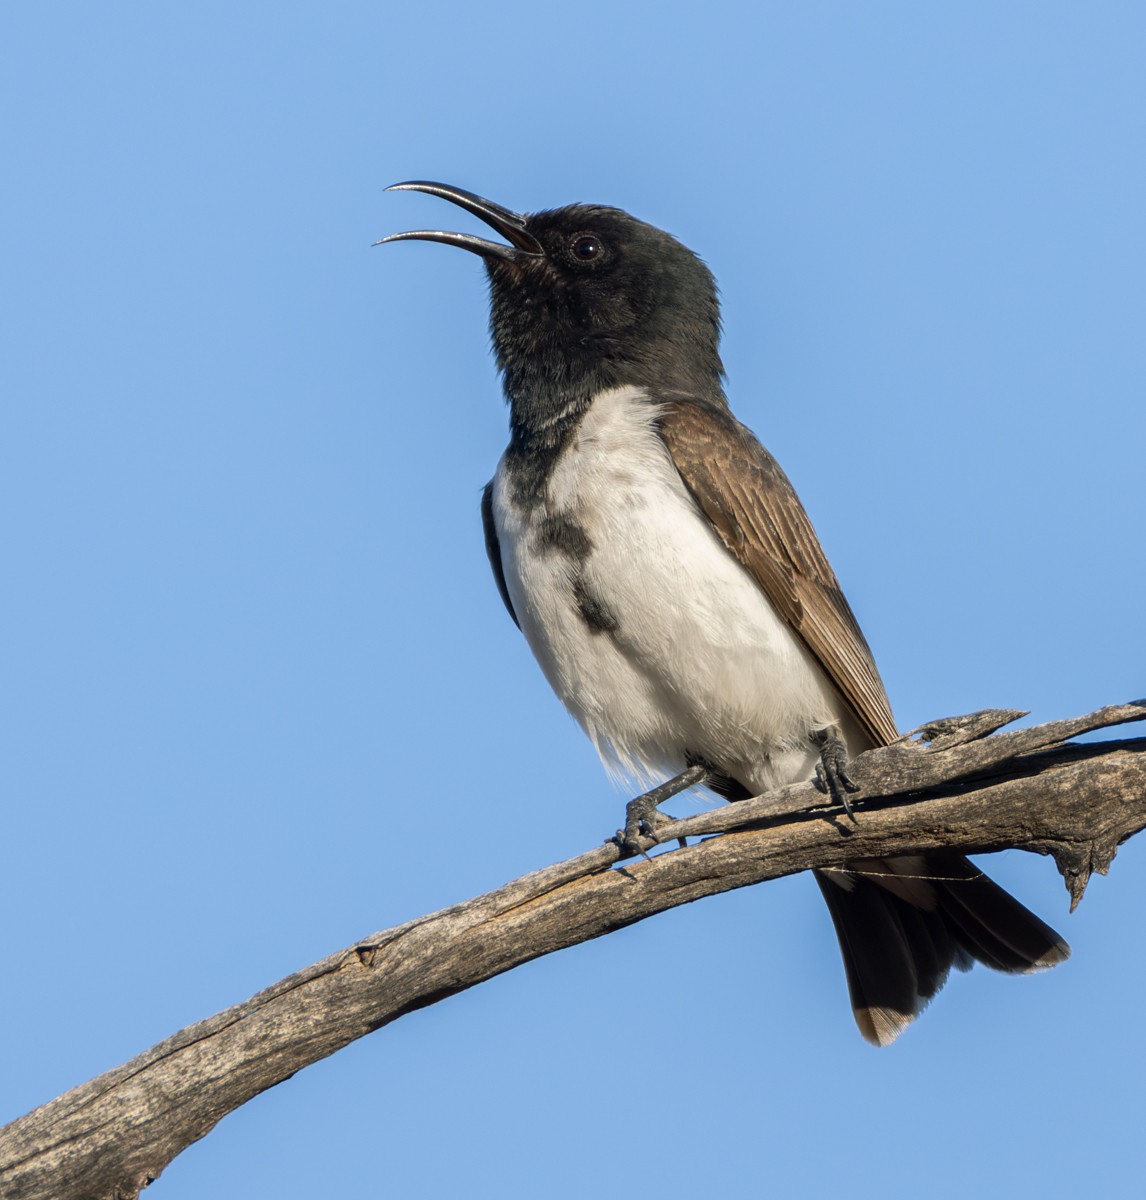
{"x": 586, "y": 298}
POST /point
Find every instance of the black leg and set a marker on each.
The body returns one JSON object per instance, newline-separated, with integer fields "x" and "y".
{"x": 831, "y": 771}
{"x": 641, "y": 815}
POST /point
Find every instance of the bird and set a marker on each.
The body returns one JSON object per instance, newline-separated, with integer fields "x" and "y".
{"x": 673, "y": 591}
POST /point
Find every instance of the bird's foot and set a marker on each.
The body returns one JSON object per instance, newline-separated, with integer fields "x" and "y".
{"x": 831, "y": 771}
{"x": 641, "y": 815}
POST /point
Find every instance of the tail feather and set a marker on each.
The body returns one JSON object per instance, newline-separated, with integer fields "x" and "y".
{"x": 1016, "y": 939}
{"x": 898, "y": 952}
{"x": 896, "y": 956}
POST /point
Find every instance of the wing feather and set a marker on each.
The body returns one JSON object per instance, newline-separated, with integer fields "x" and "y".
{"x": 754, "y": 509}
{"x": 493, "y": 550}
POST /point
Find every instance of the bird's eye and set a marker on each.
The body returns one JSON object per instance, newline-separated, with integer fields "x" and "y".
{"x": 586, "y": 247}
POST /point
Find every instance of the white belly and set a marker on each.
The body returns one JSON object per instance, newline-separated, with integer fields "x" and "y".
{"x": 696, "y": 660}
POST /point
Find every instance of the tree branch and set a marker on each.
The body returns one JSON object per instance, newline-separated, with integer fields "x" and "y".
{"x": 949, "y": 784}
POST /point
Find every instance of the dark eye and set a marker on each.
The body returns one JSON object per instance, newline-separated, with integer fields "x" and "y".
{"x": 586, "y": 247}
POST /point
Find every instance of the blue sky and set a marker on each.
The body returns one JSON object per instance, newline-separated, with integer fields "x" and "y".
{"x": 259, "y": 694}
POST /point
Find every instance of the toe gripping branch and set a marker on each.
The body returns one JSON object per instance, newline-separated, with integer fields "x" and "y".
{"x": 831, "y": 771}
{"x": 641, "y": 815}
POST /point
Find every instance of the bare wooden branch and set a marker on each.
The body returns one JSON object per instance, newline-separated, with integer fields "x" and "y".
{"x": 946, "y": 785}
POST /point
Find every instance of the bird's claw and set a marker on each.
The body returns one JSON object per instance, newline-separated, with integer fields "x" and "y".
{"x": 832, "y": 776}
{"x": 640, "y": 822}
{"x": 642, "y": 816}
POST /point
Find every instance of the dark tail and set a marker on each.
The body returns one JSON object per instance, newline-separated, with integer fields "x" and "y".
{"x": 903, "y": 923}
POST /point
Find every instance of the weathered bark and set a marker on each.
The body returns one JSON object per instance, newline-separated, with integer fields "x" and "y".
{"x": 950, "y": 784}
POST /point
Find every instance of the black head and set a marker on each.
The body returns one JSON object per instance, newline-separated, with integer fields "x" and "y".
{"x": 587, "y": 298}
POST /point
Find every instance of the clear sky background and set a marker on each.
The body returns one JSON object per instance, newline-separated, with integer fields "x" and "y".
{"x": 260, "y": 697}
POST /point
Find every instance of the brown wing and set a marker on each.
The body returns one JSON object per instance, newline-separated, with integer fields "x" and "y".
{"x": 755, "y": 510}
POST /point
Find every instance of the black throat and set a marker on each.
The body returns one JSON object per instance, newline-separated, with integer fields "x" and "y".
{"x": 556, "y": 354}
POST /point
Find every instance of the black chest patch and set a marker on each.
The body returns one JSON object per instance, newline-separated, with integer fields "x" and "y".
{"x": 594, "y": 611}
{"x": 559, "y": 533}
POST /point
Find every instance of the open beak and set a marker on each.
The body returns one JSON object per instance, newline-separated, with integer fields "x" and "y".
{"x": 510, "y": 225}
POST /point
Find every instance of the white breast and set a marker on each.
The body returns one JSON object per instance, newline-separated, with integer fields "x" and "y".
{"x": 699, "y": 662}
